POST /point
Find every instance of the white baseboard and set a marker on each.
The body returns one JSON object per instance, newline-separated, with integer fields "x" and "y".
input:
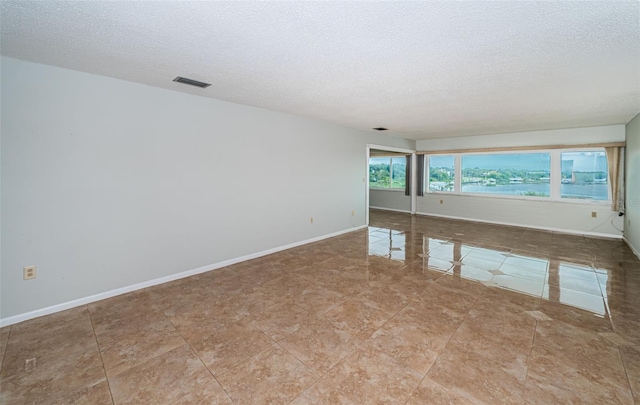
{"x": 541, "y": 228}
{"x": 633, "y": 249}
{"x": 130, "y": 288}
{"x": 390, "y": 209}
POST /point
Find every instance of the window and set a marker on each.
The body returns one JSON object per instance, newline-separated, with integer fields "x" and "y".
{"x": 441, "y": 173}
{"x": 525, "y": 174}
{"x": 561, "y": 174}
{"x": 584, "y": 175}
{"x": 387, "y": 172}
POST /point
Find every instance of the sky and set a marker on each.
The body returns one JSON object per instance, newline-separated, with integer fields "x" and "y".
{"x": 528, "y": 161}
{"x": 580, "y": 161}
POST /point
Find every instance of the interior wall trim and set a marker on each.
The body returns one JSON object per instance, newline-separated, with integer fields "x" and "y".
{"x": 390, "y": 209}
{"x": 633, "y": 249}
{"x": 540, "y": 228}
{"x": 523, "y": 148}
{"x": 138, "y": 286}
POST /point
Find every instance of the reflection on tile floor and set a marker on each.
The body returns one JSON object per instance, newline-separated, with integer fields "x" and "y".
{"x": 413, "y": 310}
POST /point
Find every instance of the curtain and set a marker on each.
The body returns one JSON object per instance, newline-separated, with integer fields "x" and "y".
{"x": 420, "y": 176}
{"x": 407, "y": 186}
{"x": 613, "y": 161}
{"x": 622, "y": 192}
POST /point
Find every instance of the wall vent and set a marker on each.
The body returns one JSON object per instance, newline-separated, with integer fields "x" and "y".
{"x": 380, "y": 129}
{"x": 191, "y": 82}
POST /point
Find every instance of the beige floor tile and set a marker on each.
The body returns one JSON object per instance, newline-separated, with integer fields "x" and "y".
{"x": 161, "y": 380}
{"x": 98, "y": 394}
{"x": 370, "y": 376}
{"x": 576, "y": 347}
{"x": 48, "y": 344}
{"x": 550, "y": 380}
{"x": 578, "y": 317}
{"x": 317, "y": 299}
{"x": 55, "y": 379}
{"x": 189, "y": 318}
{"x": 494, "y": 300}
{"x": 478, "y": 378}
{"x": 280, "y": 320}
{"x": 408, "y": 343}
{"x": 126, "y": 350}
{"x": 128, "y": 304}
{"x": 432, "y": 317}
{"x": 452, "y": 300}
{"x": 208, "y": 394}
{"x": 454, "y": 282}
{"x": 272, "y": 376}
{"x": 357, "y": 318}
{"x": 432, "y": 393}
{"x": 126, "y": 322}
{"x": 345, "y": 285}
{"x": 509, "y": 345}
{"x": 419, "y": 271}
{"x": 385, "y": 298}
{"x": 631, "y": 360}
{"x": 223, "y": 282}
{"x": 4, "y": 339}
{"x": 322, "y": 393}
{"x": 226, "y": 345}
{"x": 170, "y": 300}
{"x": 319, "y": 344}
{"x": 51, "y": 322}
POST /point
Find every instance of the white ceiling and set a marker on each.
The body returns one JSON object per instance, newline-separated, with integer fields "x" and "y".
{"x": 422, "y": 69}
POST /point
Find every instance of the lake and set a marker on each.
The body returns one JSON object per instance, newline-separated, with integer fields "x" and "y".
{"x": 593, "y": 191}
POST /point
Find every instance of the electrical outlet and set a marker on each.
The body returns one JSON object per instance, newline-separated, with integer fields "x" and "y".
{"x": 311, "y": 220}
{"x": 29, "y": 272}
{"x": 353, "y": 213}
{"x": 594, "y": 214}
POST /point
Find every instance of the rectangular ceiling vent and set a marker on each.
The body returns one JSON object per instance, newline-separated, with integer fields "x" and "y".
{"x": 191, "y": 82}
{"x": 381, "y": 129}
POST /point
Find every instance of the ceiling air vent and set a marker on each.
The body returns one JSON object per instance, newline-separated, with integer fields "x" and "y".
{"x": 191, "y": 82}
{"x": 381, "y": 129}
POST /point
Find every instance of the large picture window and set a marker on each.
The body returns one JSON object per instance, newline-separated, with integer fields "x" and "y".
{"x": 584, "y": 175}
{"x": 565, "y": 174}
{"x": 441, "y": 173}
{"x": 525, "y": 174}
{"x": 387, "y": 172}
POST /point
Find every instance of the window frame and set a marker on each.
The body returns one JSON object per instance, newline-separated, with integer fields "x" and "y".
{"x": 607, "y": 201}
{"x": 390, "y": 188}
{"x": 555, "y": 174}
{"x": 456, "y": 173}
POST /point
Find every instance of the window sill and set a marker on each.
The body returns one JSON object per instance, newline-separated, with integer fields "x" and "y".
{"x": 574, "y": 201}
{"x": 387, "y": 189}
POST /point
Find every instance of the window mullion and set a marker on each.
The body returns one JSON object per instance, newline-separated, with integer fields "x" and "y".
{"x": 555, "y": 175}
{"x": 457, "y": 177}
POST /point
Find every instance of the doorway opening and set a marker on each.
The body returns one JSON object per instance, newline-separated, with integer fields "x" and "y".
{"x": 390, "y": 183}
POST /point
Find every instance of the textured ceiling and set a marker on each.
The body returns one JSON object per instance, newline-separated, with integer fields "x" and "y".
{"x": 421, "y": 69}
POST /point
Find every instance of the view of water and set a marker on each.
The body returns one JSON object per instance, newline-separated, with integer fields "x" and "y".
{"x": 594, "y": 191}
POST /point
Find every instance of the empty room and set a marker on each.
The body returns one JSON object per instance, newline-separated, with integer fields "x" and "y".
{"x": 313, "y": 202}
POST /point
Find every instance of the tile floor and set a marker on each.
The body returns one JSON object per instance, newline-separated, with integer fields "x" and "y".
{"x": 413, "y": 310}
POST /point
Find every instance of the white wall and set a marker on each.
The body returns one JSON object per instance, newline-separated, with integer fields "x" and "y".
{"x": 562, "y": 216}
{"x": 571, "y": 136}
{"x": 389, "y": 199}
{"x": 632, "y": 185}
{"x": 107, "y": 183}
{"x": 552, "y": 215}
